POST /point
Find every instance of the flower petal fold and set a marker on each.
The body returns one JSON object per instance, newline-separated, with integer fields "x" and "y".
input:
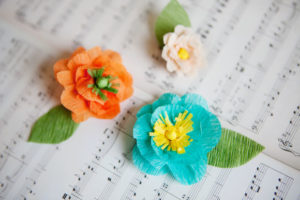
{"x": 172, "y": 111}
{"x": 148, "y": 153}
{"x": 93, "y": 53}
{"x": 188, "y": 174}
{"x": 145, "y": 109}
{"x": 165, "y": 99}
{"x": 85, "y": 92}
{"x": 79, "y": 59}
{"x": 81, "y": 74}
{"x": 106, "y": 111}
{"x": 185, "y": 122}
{"x": 144, "y": 165}
{"x": 142, "y": 127}
{"x": 113, "y": 56}
{"x": 65, "y": 78}
{"x": 72, "y": 101}
{"x": 60, "y": 65}
{"x": 190, "y": 99}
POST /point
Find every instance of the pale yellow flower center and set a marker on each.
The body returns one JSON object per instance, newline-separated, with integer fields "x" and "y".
{"x": 183, "y": 54}
{"x": 173, "y": 136}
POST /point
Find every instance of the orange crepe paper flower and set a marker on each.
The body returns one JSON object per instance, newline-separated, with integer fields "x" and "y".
{"x": 95, "y": 82}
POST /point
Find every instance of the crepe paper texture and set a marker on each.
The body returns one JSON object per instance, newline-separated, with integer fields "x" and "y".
{"x": 95, "y": 83}
{"x": 173, "y": 135}
{"x": 172, "y": 15}
{"x": 233, "y": 150}
{"x": 53, "y": 127}
{"x": 183, "y": 51}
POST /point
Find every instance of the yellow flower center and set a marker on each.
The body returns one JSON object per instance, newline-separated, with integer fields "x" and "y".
{"x": 183, "y": 54}
{"x": 173, "y": 136}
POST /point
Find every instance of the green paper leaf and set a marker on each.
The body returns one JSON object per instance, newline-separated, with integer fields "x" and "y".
{"x": 90, "y": 72}
{"x": 113, "y": 90}
{"x": 233, "y": 150}
{"x": 172, "y": 15}
{"x": 90, "y": 85}
{"x": 53, "y": 127}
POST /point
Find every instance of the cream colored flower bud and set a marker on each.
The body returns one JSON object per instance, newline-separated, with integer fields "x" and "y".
{"x": 183, "y": 51}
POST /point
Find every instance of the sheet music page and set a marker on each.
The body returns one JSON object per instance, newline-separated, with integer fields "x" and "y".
{"x": 251, "y": 83}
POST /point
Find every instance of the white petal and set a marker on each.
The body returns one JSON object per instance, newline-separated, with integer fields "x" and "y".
{"x": 166, "y": 37}
{"x": 164, "y": 53}
{"x": 171, "y": 66}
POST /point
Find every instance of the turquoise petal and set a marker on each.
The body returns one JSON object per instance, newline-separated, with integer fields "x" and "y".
{"x": 142, "y": 127}
{"x": 207, "y": 131}
{"x": 145, "y": 109}
{"x": 193, "y": 99}
{"x": 172, "y": 111}
{"x": 194, "y": 150}
{"x": 188, "y": 174}
{"x": 211, "y": 132}
{"x": 148, "y": 153}
{"x": 165, "y": 99}
{"x": 144, "y": 165}
{"x": 187, "y": 168}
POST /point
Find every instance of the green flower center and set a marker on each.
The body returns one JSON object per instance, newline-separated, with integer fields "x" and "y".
{"x": 102, "y": 83}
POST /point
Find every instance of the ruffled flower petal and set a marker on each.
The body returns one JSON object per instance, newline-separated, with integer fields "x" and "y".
{"x": 113, "y": 56}
{"x": 167, "y": 98}
{"x": 85, "y": 92}
{"x": 77, "y": 51}
{"x": 193, "y": 151}
{"x": 79, "y": 117}
{"x": 144, "y": 165}
{"x": 145, "y": 109}
{"x": 72, "y": 101}
{"x": 81, "y": 75}
{"x": 172, "y": 111}
{"x": 142, "y": 127}
{"x": 207, "y": 130}
{"x": 188, "y": 174}
{"x": 190, "y": 99}
{"x": 94, "y": 52}
{"x": 211, "y": 132}
{"x": 106, "y": 111}
{"x": 148, "y": 153}
{"x": 60, "y": 65}
{"x": 65, "y": 78}
{"x": 177, "y": 133}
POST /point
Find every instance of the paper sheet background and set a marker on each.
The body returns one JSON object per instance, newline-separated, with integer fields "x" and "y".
{"x": 241, "y": 46}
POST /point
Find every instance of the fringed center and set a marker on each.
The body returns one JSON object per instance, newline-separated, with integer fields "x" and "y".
{"x": 173, "y": 137}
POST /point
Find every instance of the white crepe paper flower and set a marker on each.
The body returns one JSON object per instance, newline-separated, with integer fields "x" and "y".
{"x": 183, "y": 51}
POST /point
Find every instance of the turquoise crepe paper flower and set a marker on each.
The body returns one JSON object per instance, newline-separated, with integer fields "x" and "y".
{"x": 189, "y": 167}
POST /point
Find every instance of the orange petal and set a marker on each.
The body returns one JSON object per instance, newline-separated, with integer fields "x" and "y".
{"x": 126, "y": 93}
{"x": 123, "y": 90}
{"x": 82, "y": 71}
{"x": 77, "y": 51}
{"x": 85, "y": 92}
{"x": 101, "y": 61}
{"x": 94, "y": 52}
{"x": 81, "y": 117}
{"x": 117, "y": 69}
{"x": 65, "y": 78}
{"x": 73, "y": 102}
{"x": 108, "y": 111}
{"x": 125, "y": 79}
{"x": 79, "y": 60}
{"x": 60, "y": 65}
{"x": 112, "y": 55}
